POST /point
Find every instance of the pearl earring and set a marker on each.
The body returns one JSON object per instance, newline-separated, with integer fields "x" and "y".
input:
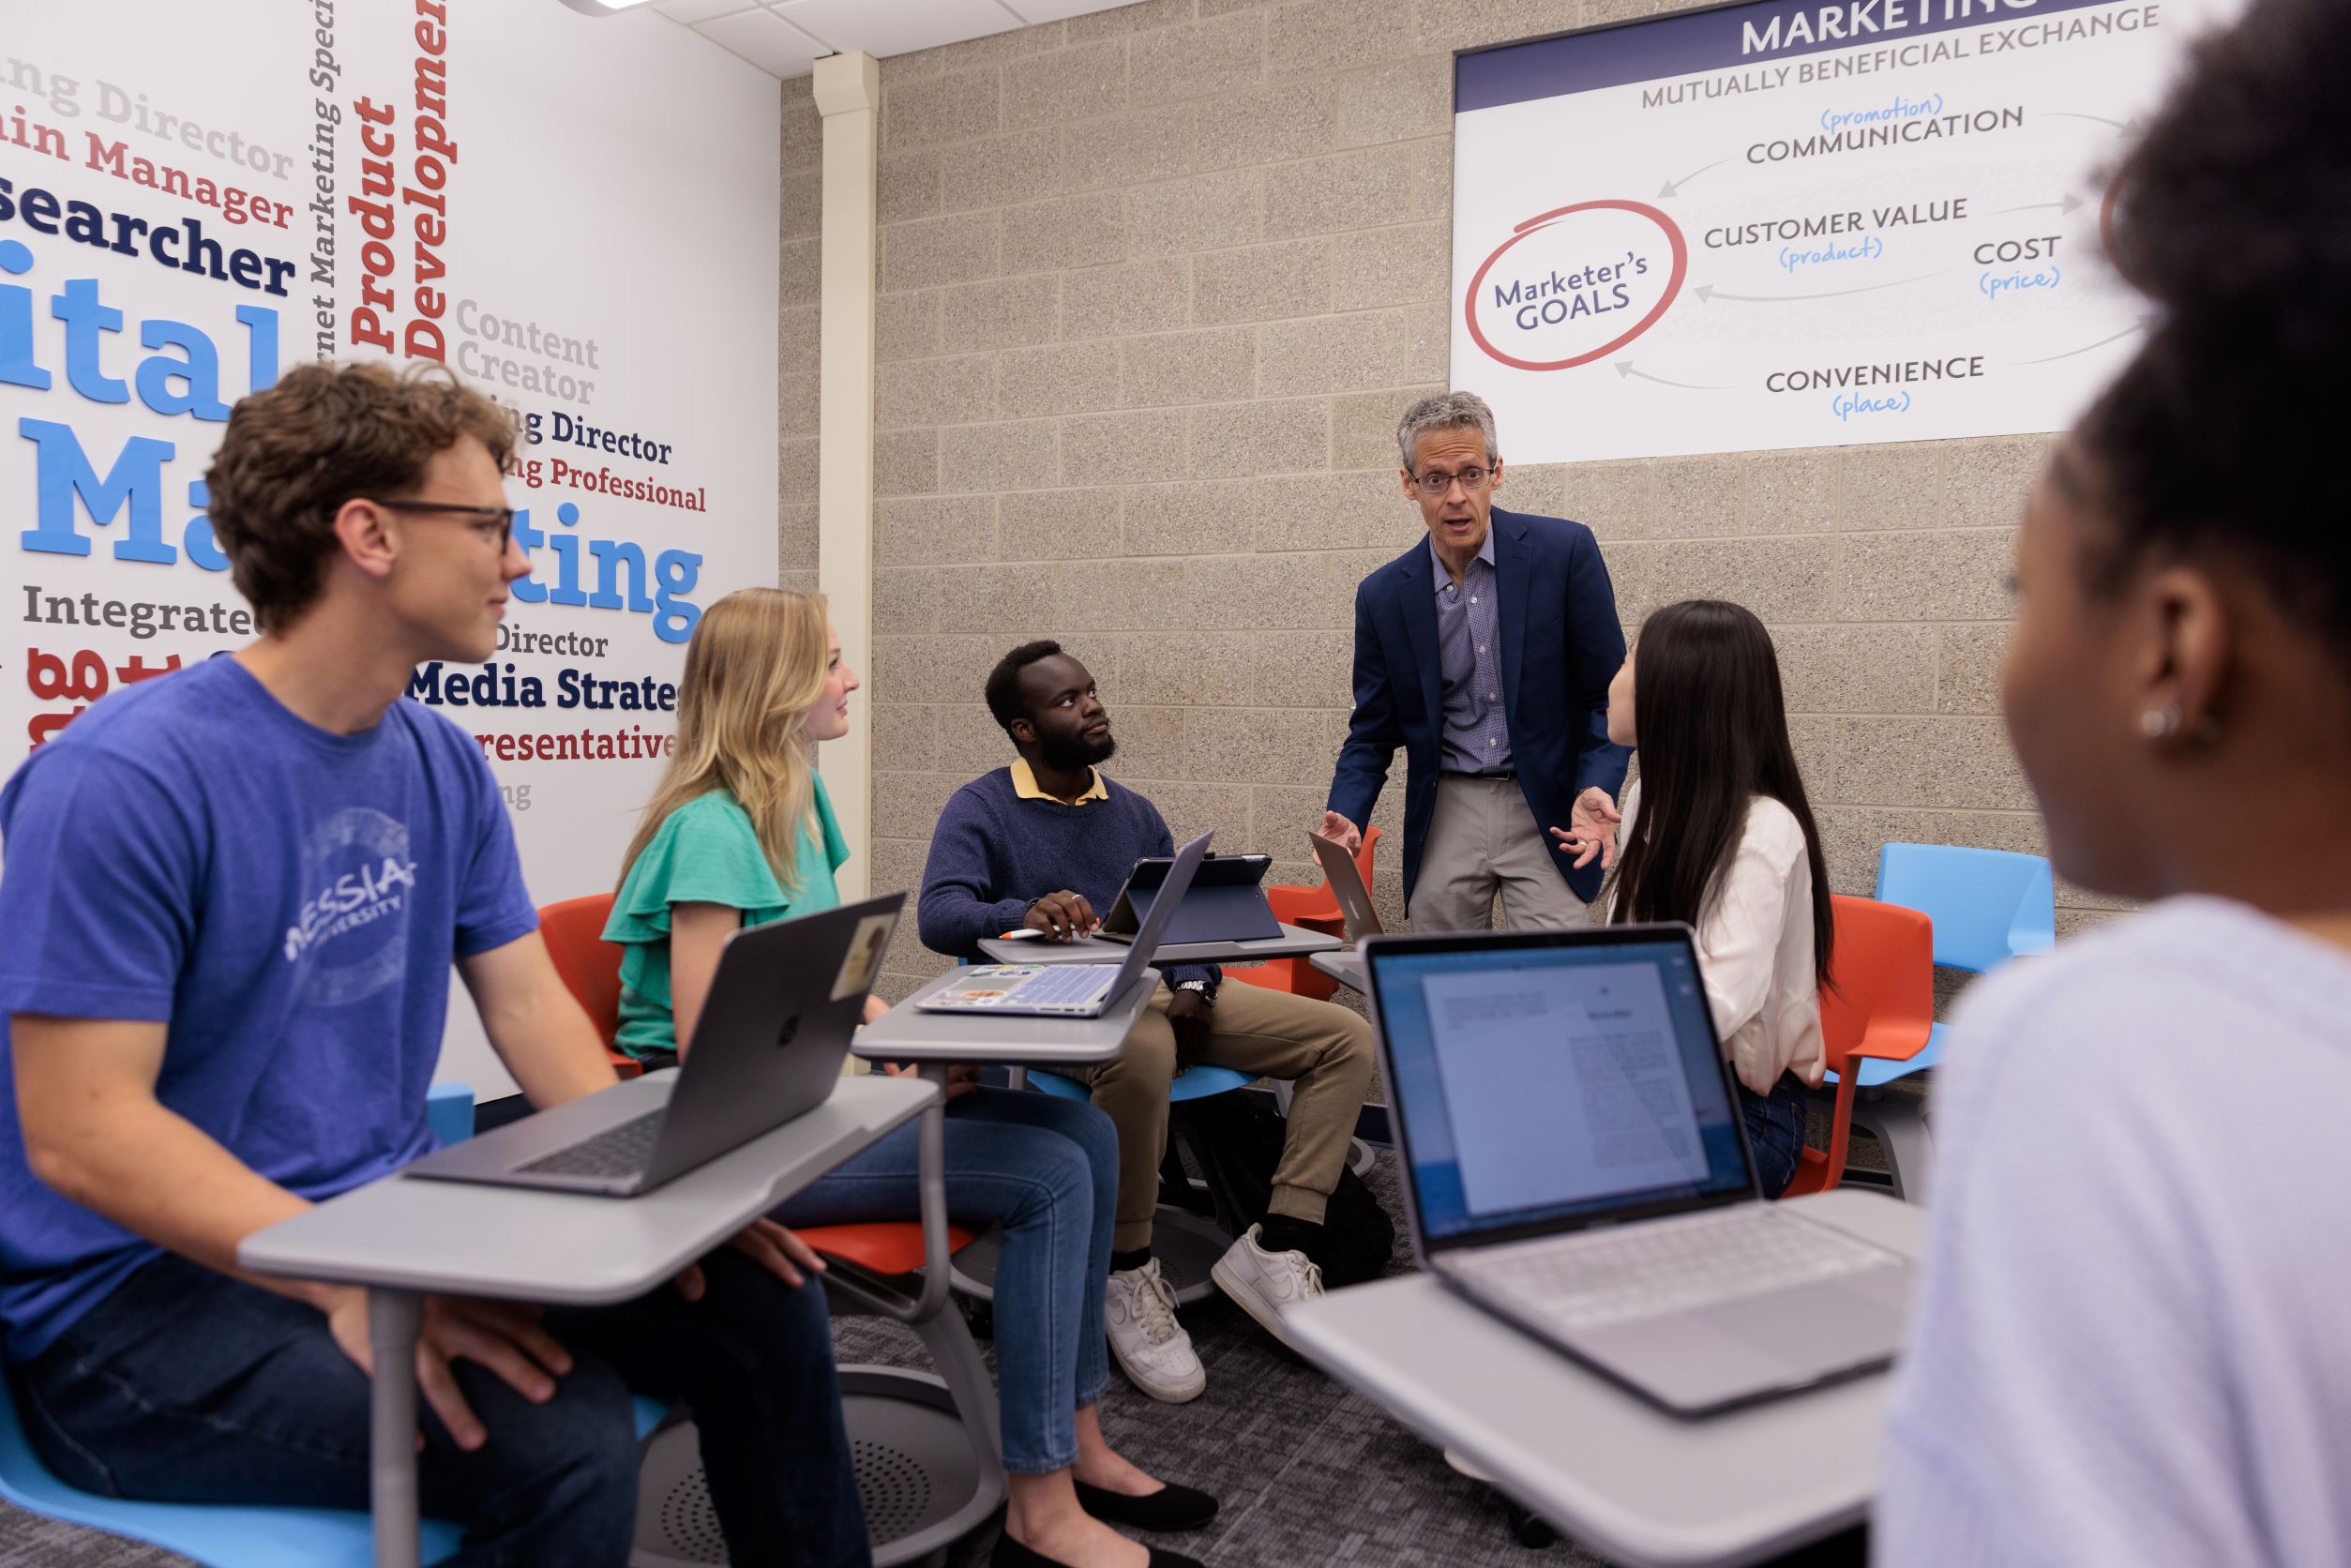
{"x": 2159, "y": 724}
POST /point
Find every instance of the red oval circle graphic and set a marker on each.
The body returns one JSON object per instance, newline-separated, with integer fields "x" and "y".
{"x": 1541, "y": 221}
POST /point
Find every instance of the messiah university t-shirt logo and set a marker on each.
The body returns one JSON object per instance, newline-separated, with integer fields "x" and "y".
{"x": 350, "y": 936}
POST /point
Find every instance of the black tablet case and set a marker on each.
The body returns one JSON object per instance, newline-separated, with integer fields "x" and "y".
{"x": 1226, "y": 901}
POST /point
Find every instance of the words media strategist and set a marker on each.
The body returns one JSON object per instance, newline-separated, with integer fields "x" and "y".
{"x": 1485, "y": 651}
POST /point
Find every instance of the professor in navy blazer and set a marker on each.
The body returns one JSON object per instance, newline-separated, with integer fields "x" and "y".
{"x": 1485, "y": 651}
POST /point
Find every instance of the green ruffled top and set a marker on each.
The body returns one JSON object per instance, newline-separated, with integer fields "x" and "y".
{"x": 707, "y": 852}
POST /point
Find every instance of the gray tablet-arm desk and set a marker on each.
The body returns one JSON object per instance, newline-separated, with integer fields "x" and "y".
{"x": 1345, "y": 968}
{"x": 1617, "y": 1475}
{"x": 1295, "y": 942}
{"x": 404, "y": 1237}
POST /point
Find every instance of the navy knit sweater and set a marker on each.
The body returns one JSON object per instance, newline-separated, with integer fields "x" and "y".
{"x": 993, "y": 853}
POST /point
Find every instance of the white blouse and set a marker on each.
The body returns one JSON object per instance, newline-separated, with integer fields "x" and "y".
{"x": 1755, "y": 949}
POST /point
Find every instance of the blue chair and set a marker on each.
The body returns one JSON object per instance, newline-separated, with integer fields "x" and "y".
{"x": 1988, "y": 905}
{"x": 236, "y": 1537}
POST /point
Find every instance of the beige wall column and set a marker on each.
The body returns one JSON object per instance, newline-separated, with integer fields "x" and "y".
{"x": 849, "y": 95}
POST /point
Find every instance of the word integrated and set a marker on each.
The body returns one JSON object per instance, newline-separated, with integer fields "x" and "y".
{"x": 142, "y": 618}
{"x": 498, "y": 687}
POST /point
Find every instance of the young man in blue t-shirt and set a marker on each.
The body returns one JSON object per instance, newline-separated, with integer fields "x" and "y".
{"x": 233, "y": 896}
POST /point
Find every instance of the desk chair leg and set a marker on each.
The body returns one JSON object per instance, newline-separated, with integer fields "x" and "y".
{"x": 1899, "y": 1125}
{"x": 394, "y": 1319}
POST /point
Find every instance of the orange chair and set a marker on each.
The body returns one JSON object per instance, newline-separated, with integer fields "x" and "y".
{"x": 1881, "y": 1006}
{"x": 590, "y": 966}
{"x": 1316, "y": 909}
{"x": 924, "y": 1496}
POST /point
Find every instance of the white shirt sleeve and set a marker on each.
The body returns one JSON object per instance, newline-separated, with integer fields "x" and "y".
{"x": 1739, "y": 939}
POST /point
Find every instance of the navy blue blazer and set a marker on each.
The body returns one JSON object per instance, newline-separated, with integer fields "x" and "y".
{"x": 1561, "y": 648}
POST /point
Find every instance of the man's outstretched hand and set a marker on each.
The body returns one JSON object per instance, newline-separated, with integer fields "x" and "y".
{"x": 1346, "y": 832}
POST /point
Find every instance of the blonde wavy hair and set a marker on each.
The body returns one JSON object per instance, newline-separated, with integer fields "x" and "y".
{"x": 754, "y": 668}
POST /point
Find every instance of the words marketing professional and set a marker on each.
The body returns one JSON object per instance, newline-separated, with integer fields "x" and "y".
{"x": 1485, "y": 651}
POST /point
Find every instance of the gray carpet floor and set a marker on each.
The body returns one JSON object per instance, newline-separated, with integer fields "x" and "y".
{"x": 1308, "y": 1472}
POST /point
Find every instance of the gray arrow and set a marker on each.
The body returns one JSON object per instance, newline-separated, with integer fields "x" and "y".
{"x": 2125, "y": 126}
{"x": 1709, "y": 294}
{"x": 2070, "y": 203}
{"x": 2139, "y": 325}
{"x": 1624, "y": 368}
{"x": 1673, "y": 187}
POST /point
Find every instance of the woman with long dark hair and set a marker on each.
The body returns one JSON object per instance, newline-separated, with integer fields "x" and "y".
{"x": 1717, "y": 832}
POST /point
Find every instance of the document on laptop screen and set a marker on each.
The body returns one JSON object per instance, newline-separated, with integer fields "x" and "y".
{"x": 1516, "y": 1049}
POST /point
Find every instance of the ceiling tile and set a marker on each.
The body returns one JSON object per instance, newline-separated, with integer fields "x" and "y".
{"x": 885, "y": 27}
{"x": 1060, "y": 10}
{"x": 702, "y": 11}
{"x": 765, "y": 39}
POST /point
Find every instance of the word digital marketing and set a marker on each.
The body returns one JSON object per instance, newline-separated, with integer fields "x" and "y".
{"x": 181, "y": 378}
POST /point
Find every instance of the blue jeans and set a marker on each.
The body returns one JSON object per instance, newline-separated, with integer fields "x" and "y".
{"x": 1775, "y": 1130}
{"x": 1048, "y": 1171}
{"x": 187, "y": 1386}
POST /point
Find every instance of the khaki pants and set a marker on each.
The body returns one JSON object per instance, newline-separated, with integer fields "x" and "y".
{"x": 1323, "y": 1050}
{"x": 1482, "y": 840}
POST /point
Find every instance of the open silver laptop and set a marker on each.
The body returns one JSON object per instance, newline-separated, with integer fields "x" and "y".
{"x": 1576, "y": 1162}
{"x": 1356, "y": 911}
{"x": 1071, "y": 990}
{"x": 769, "y": 1045}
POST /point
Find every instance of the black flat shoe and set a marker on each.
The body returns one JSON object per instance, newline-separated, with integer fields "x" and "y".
{"x": 1171, "y": 1507}
{"x": 1010, "y": 1553}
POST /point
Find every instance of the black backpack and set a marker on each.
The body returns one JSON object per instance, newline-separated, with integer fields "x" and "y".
{"x": 1237, "y": 1140}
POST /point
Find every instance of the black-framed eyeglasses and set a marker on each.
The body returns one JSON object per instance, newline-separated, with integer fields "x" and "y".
{"x": 502, "y": 516}
{"x": 1470, "y": 479}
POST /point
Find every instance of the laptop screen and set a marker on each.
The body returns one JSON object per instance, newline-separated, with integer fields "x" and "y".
{"x": 1553, "y": 1081}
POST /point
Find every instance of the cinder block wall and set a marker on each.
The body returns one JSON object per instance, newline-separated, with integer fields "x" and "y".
{"x": 1156, "y": 283}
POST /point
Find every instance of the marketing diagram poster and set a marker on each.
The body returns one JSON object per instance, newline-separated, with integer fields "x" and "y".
{"x": 578, "y": 214}
{"x": 1785, "y": 224}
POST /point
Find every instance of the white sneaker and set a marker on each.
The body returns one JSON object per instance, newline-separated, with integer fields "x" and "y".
{"x": 1151, "y": 1348}
{"x": 1266, "y": 1284}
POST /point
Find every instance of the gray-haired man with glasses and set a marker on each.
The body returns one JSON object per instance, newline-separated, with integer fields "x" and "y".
{"x": 1485, "y": 651}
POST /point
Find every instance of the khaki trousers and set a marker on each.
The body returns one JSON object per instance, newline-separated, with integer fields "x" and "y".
{"x": 1483, "y": 839}
{"x": 1323, "y": 1050}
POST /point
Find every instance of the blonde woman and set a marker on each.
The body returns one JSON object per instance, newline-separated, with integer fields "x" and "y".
{"x": 739, "y": 833}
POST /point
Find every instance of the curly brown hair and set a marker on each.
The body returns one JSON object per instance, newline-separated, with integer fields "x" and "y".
{"x": 324, "y": 435}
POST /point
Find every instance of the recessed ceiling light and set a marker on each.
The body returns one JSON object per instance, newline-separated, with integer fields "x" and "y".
{"x": 604, "y": 8}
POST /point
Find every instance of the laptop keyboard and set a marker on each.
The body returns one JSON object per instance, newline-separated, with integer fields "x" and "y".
{"x": 1062, "y": 983}
{"x": 1668, "y": 1266}
{"x": 620, "y": 1151}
